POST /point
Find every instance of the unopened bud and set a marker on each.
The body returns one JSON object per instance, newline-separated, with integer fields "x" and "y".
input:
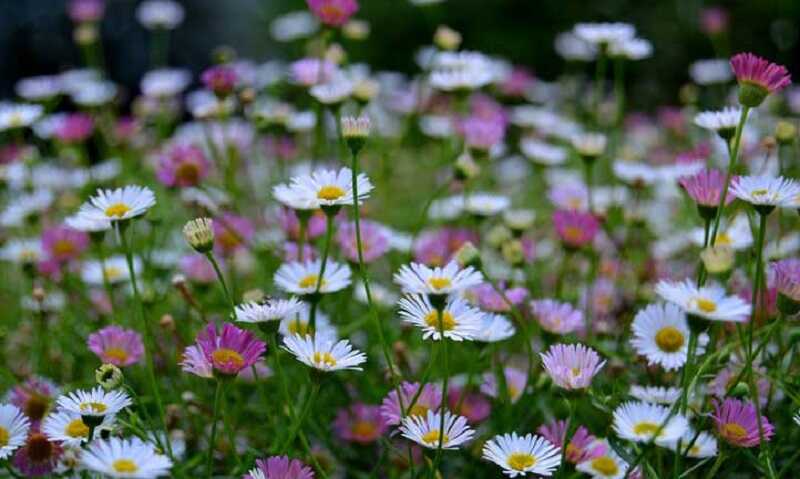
{"x": 498, "y": 235}
{"x": 85, "y": 34}
{"x": 468, "y": 255}
{"x": 167, "y": 322}
{"x": 199, "y": 233}
{"x": 355, "y": 132}
{"x": 38, "y": 294}
{"x": 785, "y": 132}
{"x": 718, "y": 260}
{"x": 356, "y": 30}
{"x": 519, "y": 220}
{"x": 108, "y": 376}
{"x": 513, "y": 252}
{"x": 466, "y": 168}
{"x": 446, "y": 38}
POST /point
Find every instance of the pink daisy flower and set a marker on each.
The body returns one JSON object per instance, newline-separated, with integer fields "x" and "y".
{"x": 280, "y": 467}
{"x": 232, "y": 233}
{"x": 436, "y": 248}
{"x": 786, "y": 274}
{"x": 38, "y": 456}
{"x": 116, "y": 345}
{"x": 291, "y": 252}
{"x": 569, "y": 196}
{"x": 220, "y": 79}
{"x": 182, "y": 166}
{"x": 198, "y": 269}
{"x": 488, "y": 299}
{"x": 34, "y": 397}
{"x": 575, "y": 229}
{"x": 482, "y": 134}
{"x": 311, "y": 71}
{"x": 758, "y": 78}
{"x": 736, "y": 423}
{"x": 516, "y": 380}
{"x": 572, "y": 366}
{"x": 226, "y": 352}
{"x": 557, "y": 317}
{"x": 86, "y": 11}
{"x": 290, "y": 224}
{"x": 360, "y": 423}
{"x": 334, "y": 13}
{"x": 74, "y": 128}
{"x": 474, "y": 406}
{"x": 429, "y": 400}
{"x": 705, "y": 188}
{"x": 62, "y": 243}
{"x": 374, "y": 240}
{"x": 582, "y": 446}
{"x": 723, "y": 381}
{"x": 714, "y": 20}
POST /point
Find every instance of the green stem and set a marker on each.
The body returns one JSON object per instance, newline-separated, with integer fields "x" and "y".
{"x": 599, "y": 83}
{"x": 717, "y": 463}
{"x": 731, "y": 167}
{"x": 213, "y": 438}
{"x": 445, "y": 379}
{"x": 221, "y": 278}
{"x": 298, "y": 423}
{"x": 312, "y": 321}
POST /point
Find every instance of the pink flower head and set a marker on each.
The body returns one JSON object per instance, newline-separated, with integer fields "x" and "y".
{"x": 360, "y": 423}
{"x": 569, "y": 196}
{"x": 787, "y": 278}
{"x": 485, "y": 296}
{"x": 557, "y": 317}
{"x": 334, "y": 13}
{"x": 226, "y": 352}
{"x": 281, "y": 467}
{"x": 182, "y": 166}
{"x": 518, "y": 82}
{"x": 198, "y": 269}
{"x": 125, "y": 129}
{"x": 482, "y": 133}
{"x": 74, "y": 128}
{"x": 736, "y": 423}
{"x": 34, "y": 397}
{"x": 473, "y": 405}
{"x": 758, "y": 78}
{"x": 38, "y": 456}
{"x": 116, "y": 345}
{"x": 62, "y": 243}
{"x": 311, "y": 71}
{"x": 723, "y": 381}
{"x": 436, "y": 248}
{"x": 705, "y": 188}
{"x": 575, "y": 228}
{"x": 714, "y": 20}
{"x": 582, "y": 446}
{"x": 221, "y": 79}
{"x": 572, "y": 366}
{"x": 290, "y": 224}
{"x": 232, "y": 232}
{"x": 86, "y": 11}
{"x": 291, "y": 252}
{"x": 516, "y": 380}
{"x": 374, "y": 240}
{"x": 429, "y": 400}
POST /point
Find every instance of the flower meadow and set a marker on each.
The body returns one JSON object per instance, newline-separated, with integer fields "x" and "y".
{"x": 305, "y": 268}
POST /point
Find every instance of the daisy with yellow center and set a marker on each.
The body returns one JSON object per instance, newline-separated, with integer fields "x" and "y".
{"x": 123, "y": 458}
{"x": 94, "y": 403}
{"x": 522, "y": 455}
{"x": 457, "y": 321}
{"x": 117, "y": 205}
{"x": 323, "y": 353}
{"x": 322, "y": 188}
{"x": 68, "y": 428}
{"x": 427, "y": 432}
{"x": 660, "y": 333}
{"x": 14, "y": 428}
{"x": 302, "y": 278}
{"x": 707, "y": 302}
{"x": 642, "y": 422}
{"x": 421, "y": 279}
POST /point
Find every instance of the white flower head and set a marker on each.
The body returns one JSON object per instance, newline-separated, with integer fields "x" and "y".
{"x": 607, "y": 466}
{"x": 114, "y": 268}
{"x": 460, "y": 321}
{"x": 522, "y": 455}
{"x": 160, "y": 14}
{"x": 465, "y": 70}
{"x": 270, "y": 310}
{"x": 708, "y": 302}
{"x": 94, "y": 403}
{"x": 655, "y": 394}
{"x": 542, "y": 153}
{"x": 421, "y": 279}
{"x": 68, "y": 427}
{"x": 723, "y": 121}
{"x": 324, "y": 354}
{"x": 303, "y": 278}
{"x": 767, "y": 191}
{"x": 119, "y": 204}
{"x": 19, "y": 115}
{"x": 165, "y": 82}
{"x": 600, "y": 34}
{"x": 322, "y": 188}
{"x": 661, "y": 334}
{"x": 486, "y": 204}
{"x": 631, "y": 49}
{"x": 697, "y": 445}
{"x": 425, "y": 430}
{"x": 22, "y": 251}
{"x": 641, "y": 422}
{"x": 494, "y": 328}
{"x": 709, "y": 72}
{"x": 14, "y": 428}
{"x": 125, "y": 458}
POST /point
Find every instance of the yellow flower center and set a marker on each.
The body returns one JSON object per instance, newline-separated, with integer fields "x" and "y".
{"x": 310, "y": 281}
{"x": 4, "y": 436}
{"x": 418, "y": 410}
{"x": 432, "y": 437}
{"x": 116, "y": 355}
{"x": 760, "y": 192}
{"x": 76, "y": 428}
{"x": 330, "y": 193}
{"x": 448, "y": 322}
{"x": 669, "y": 339}
{"x": 520, "y": 461}
{"x": 645, "y": 428}
{"x": 63, "y": 247}
{"x": 723, "y": 239}
{"x": 605, "y": 465}
{"x": 188, "y": 172}
{"x": 124, "y": 466}
{"x": 573, "y": 234}
{"x": 324, "y": 358}
{"x": 364, "y": 429}
{"x": 117, "y": 210}
{"x": 513, "y": 391}
{"x": 733, "y": 431}
{"x": 297, "y": 326}
{"x": 228, "y": 357}
{"x": 93, "y": 407}
{"x": 705, "y": 305}
{"x": 112, "y": 273}
{"x": 439, "y": 283}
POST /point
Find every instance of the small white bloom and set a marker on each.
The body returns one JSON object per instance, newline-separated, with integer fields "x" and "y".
{"x": 486, "y": 204}
{"x": 324, "y": 354}
{"x": 494, "y": 328}
{"x": 271, "y": 310}
{"x": 19, "y": 115}
{"x": 14, "y": 428}
{"x": 604, "y": 33}
{"x": 165, "y": 82}
{"x": 22, "y": 251}
{"x": 419, "y": 278}
{"x": 460, "y": 321}
{"x": 641, "y": 422}
{"x": 293, "y": 26}
{"x": 38, "y": 88}
{"x": 607, "y": 466}
{"x": 766, "y": 191}
{"x": 302, "y": 278}
{"x": 94, "y": 403}
{"x": 710, "y": 72}
{"x": 460, "y": 71}
{"x": 334, "y": 91}
{"x": 589, "y": 144}
{"x": 725, "y": 120}
{"x": 542, "y": 153}
{"x": 68, "y": 427}
{"x": 119, "y": 204}
{"x": 709, "y": 302}
{"x": 160, "y": 14}
{"x": 322, "y": 188}
{"x": 655, "y": 394}
{"x": 631, "y": 49}
{"x": 426, "y": 431}
{"x": 115, "y": 270}
{"x": 522, "y": 455}
{"x": 737, "y": 234}
{"x": 125, "y": 458}
{"x": 661, "y": 334}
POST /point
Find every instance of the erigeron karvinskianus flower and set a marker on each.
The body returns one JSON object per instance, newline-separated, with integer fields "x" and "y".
{"x": 758, "y": 78}
{"x": 459, "y": 321}
{"x": 326, "y": 189}
{"x": 355, "y": 131}
{"x": 437, "y": 282}
{"x": 279, "y": 467}
{"x": 126, "y": 458}
{"x": 425, "y": 430}
{"x": 661, "y": 334}
{"x": 94, "y": 405}
{"x": 765, "y": 193}
{"x": 334, "y": 13}
{"x": 705, "y": 188}
{"x": 224, "y": 353}
{"x": 14, "y": 428}
{"x": 571, "y": 366}
{"x": 118, "y": 205}
{"x": 643, "y": 422}
{"x": 429, "y": 399}
{"x": 582, "y": 446}
{"x": 199, "y": 233}
{"x": 117, "y": 345}
{"x": 303, "y": 278}
{"x": 324, "y": 354}
{"x": 556, "y": 317}
{"x": 723, "y": 122}
{"x": 68, "y": 428}
{"x": 707, "y": 302}
{"x": 736, "y": 423}
{"x": 522, "y": 455}
{"x": 787, "y": 281}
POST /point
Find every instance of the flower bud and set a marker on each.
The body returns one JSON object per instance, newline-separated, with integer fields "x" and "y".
{"x": 468, "y": 255}
{"x": 199, "y": 233}
{"x": 365, "y": 90}
{"x": 167, "y": 322}
{"x": 466, "y": 168}
{"x": 519, "y": 220}
{"x": 109, "y": 376}
{"x": 513, "y": 252}
{"x": 355, "y": 132}
{"x": 446, "y": 38}
{"x": 718, "y": 260}
{"x": 356, "y": 30}
{"x": 498, "y": 235}
{"x": 785, "y": 132}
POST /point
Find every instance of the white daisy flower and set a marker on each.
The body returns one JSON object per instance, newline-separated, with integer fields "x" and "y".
{"x": 322, "y": 188}
{"x": 494, "y": 328}
{"x": 607, "y": 466}
{"x": 333, "y": 92}
{"x": 589, "y": 144}
{"x": 709, "y": 72}
{"x": 636, "y": 173}
{"x": 115, "y": 269}
{"x": 661, "y": 334}
{"x": 542, "y": 153}
{"x": 381, "y": 295}
{"x": 94, "y": 94}
{"x": 604, "y": 33}
{"x": 655, "y": 394}
{"x": 766, "y": 191}
{"x": 425, "y": 430}
{"x": 421, "y": 279}
{"x": 293, "y": 26}
{"x": 68, "y": 428}
{"x": 302, "y": 278}
{"x": 704, "y": 446}
{"x": 572, "y": 48}
{"x": 22, "y": 251}
{"x": 460, "y": 321}
{"x": 24, "y": 206}
{"x": 96, "y": 403}
{"x": 19, "y": 115}
{"x": 522, "y": 455}
{"x": 639, "y": 422}
{"x": 297, "y": 323}
{"x": 119, "y": 204}
{"x": 445, "y": 209}
{"x": 270, "y": 310}
{"x": 323, "y": 353}
{"x": 125, "y": 458}
{"x": 165, "y": 82}
{"x": 460, "y": 71}
{"x": 14, "y": 428}
{"x": 631, "y": 49}
{"x": 722, "y": 121}
{"x": 737, "y": 234}
{"x": 160, "y": 14}
{"x": 486, "y": 204}
{"x": 708, "y": 302}
{"x": 38, "y": 88}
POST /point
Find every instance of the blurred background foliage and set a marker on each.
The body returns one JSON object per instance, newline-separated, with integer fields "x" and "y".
{"x": 36, "y": 35}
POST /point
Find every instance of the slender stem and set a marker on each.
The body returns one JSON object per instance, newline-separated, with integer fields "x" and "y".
{"x": 221, "y": 278}
{"x": 588, "y": 172}
{"x": 212, "y": 440}
{"x": 717, "y": 463}
{"x": 298, "y": 422}
{"x": 301, "y": 240}
{"x": 599, "y": 83}
{"x": 568, "y": 431}
{"x": 312, "y": 321}
{"x": 619, "y": 88}
{"x": 445, "y": 379}
{"x": 731, "y": 167}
